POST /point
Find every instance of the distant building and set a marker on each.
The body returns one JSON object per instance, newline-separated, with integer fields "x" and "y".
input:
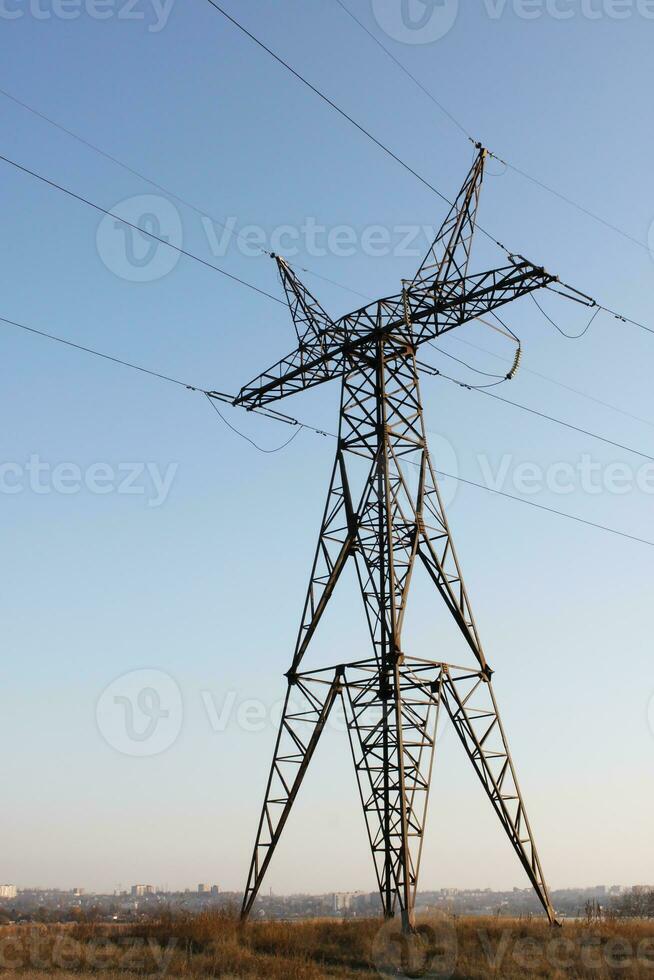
{"x": 203, "y": 889}
{"x": 139, "y": 890}
{"x": 342, "y": 901}
{"x": 8, "y": 891}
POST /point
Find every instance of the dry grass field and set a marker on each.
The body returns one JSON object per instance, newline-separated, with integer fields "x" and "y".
{"x": 213, "y": 945}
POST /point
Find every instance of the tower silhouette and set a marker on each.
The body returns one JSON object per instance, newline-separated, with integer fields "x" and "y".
{"x": 385, "y": 522}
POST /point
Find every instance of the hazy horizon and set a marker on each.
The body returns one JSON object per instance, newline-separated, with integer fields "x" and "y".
{"x": 149, "y": 549}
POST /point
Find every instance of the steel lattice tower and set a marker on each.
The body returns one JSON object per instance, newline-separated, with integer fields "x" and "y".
{"x": 384, "y": 521}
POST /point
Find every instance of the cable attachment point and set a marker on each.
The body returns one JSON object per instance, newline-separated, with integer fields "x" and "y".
{"x": 478, "y": 145}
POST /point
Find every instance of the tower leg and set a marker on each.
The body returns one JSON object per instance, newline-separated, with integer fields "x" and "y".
{"x": 470, "y": 702}
{"x": 306, "y": 710}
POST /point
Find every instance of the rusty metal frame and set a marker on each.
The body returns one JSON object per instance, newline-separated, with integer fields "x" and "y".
{"x": 379, "y": 517}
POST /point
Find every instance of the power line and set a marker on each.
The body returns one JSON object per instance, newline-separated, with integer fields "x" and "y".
{"x": 532, "y": 411}
{"x": 549, "y": 510}
{"x": 568, "y": 336}
{"x": 503, "y": 329}
{"x": 214, "y": 395}
{"x": 176, "y": 197}
{"x": 156, "y": 238}
{"x": 509, "y": 496}
{"x": 210, "y": 265}
{"x": 577, "y": 206}
{"x": 625, "y": 319}
{"x": 618, "y": 316}
{"x": 382, "y": 146}
{"x": 568, "y": 425}
{"x": 406, "y": 71}
{"x": 243, "y": 282}
{"x": 270, "y": 296}
{"x": 345, "y": 115}
{"x": 290, "y": 420}
{"x": 332, "y": 282}
{"x": 463, "y": 384}
{"x": 277, "y": 416}
{"x": 97, "y": 353}
{"x": 522, "y": 173}
{"x": 242, "y": 435}
{"x": 553, "y": 381}
{"x": 486, "y": 374}
{"x": 202, "y": 213}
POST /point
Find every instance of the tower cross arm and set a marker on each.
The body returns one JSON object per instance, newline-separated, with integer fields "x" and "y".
{"x": 436, "y": 310}
{"x": 429, "y": 311}
{"x": 305, "y": 367}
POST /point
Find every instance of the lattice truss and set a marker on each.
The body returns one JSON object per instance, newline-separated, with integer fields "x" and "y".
{"x": 384, "y": 514}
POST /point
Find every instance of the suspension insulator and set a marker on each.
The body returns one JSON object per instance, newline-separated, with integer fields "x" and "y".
{"x": 516, "y": 364}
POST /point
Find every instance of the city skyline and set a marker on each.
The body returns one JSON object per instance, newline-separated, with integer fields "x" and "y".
{"x": 139, "y": 890}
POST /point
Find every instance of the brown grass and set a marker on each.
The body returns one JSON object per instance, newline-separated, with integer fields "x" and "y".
{"x": 212, "y": 944}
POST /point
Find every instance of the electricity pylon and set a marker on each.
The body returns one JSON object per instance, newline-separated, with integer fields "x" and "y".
{"x": 384, "y": 521}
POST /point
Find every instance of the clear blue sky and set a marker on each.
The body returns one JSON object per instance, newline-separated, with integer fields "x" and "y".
{"x": 208, "y": 587}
